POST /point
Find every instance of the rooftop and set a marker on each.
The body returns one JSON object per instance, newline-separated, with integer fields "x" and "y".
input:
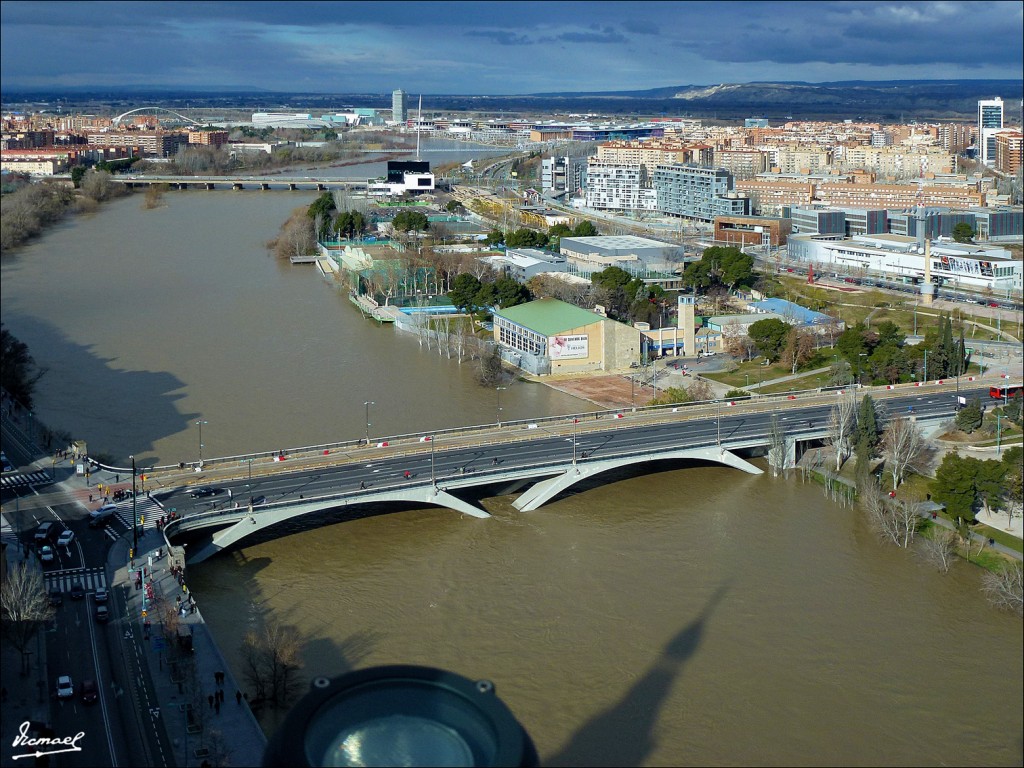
{"x": 548, "y": 316}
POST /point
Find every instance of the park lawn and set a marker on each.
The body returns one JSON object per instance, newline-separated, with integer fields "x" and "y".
{"x": 1004, "y": 538}
{"x": 751, "y": 371}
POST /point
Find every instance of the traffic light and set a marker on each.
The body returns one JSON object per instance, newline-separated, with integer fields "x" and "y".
{"x": 131, "y": 553}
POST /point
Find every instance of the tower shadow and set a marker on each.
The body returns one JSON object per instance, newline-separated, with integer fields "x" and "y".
{"x": 622, "y": 734}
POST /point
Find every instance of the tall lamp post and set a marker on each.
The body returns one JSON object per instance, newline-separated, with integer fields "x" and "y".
{"x": 498, "y": 391}
{"x": 366, "y": 405}
{"x": 135, "y": 516}
{"x": 200, "y": 425}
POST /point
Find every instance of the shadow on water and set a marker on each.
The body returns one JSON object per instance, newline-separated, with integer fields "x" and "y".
{"x": 117, "y": 395}
{"x": 623, "y": 734}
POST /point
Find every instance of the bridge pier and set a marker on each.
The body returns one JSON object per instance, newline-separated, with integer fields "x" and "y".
{"x": 236, "y": 185}
{"x": 264, "y": 187}
{"x": 293, "y": 187}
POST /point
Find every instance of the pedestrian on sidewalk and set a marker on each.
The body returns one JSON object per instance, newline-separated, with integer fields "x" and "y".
{"x": 220, "y": 694}
{"x": 238, "y": 697}
{"x": 210, "y": 699}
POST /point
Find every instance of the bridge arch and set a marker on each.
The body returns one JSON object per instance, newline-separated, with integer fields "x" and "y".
{"x": 117, "y": 120}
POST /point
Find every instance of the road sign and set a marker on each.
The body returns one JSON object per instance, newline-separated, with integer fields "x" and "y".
{"x": 144, "y": 614}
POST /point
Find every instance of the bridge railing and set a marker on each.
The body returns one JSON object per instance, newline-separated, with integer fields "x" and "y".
{"x": 753, "y": 403}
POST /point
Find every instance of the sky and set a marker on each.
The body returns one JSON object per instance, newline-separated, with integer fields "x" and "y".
{"x": 500, "y": 48}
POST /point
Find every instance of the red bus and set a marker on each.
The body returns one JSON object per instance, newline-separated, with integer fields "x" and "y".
{"x": 1001, "y": 393}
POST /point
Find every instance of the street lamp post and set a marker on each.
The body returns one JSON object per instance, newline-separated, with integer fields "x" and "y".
{"x": 574, "y": 423}
{"x": 200, "y": 425}
{"x": 498, "y": 391}
{"x": 433, "y": 477}
{"x": 135, "y": 516}
{"x": 366, "y": 405}
{"x": 718, "y": 403}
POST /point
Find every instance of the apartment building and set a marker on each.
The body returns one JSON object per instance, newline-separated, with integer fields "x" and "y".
{"x": 1008, "y": 152}
{"x": 148, "y": 143}
{"x": 208, "y": 138}
{"x": 693, "y": 192}
{"x": 741, "y": 163}
{"x": 802, "y": 160}
{"x": 611, "y": 186}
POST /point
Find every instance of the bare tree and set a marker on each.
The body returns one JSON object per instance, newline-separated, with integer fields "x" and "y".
{"x": 841, "y": 423}
{"x": 271, "y": 658}
{"x": 777, "y": 446}
{"x": 799, "y": 349}
{"x": 700, "y": 391}
{"x": 1005, "y": 588}
{"x": 26, "y": 608}
{"x": 903, "y": 447}
{"x": 893, "y": 520}
{"x": 940, "y": 549}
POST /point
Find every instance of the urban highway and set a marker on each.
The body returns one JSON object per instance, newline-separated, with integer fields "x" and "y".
{"x": 527, "y": 451}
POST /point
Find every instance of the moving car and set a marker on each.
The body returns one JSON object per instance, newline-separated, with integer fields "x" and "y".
{"x": 43, "y": 532}
{"x": 65, "y": 539}
{"x": 77, "y": 591}
{"x": 7, "y": 466}
{"x": 65, "y": 688}
{"x": 102, "y": 613}
{"x": 90, "y": 693}
{"x": 46, "y": 554}
{"x": 100, "y": 595}
{"x": 99, "y": 517}
{"x": 204, "y": 491}
{"x": 56, "y": 597}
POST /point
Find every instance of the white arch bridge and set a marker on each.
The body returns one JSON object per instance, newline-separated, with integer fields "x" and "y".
{"x": 117, "y": 120}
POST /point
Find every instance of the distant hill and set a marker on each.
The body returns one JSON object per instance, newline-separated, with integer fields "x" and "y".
{"x": 884, "y": 101}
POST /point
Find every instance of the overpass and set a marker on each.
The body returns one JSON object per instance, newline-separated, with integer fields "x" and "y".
{"x": 538, "y": 460}
{"x": 242, "y": 182}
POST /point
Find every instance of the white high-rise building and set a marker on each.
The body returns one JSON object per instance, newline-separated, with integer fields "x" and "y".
{"x": 399, "y": 109}
{"x": 990, "y": 122}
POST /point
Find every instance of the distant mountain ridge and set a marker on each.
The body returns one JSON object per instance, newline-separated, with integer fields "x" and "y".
{"x": 880, "y": 101}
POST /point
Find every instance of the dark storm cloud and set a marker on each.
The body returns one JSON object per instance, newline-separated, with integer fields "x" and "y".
{"x": 503, "y": 47}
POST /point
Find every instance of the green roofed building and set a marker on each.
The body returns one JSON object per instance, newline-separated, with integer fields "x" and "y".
{"x": 551, "y": 336}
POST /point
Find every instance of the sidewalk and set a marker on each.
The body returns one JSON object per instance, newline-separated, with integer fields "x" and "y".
{"x": 184, "y": 662}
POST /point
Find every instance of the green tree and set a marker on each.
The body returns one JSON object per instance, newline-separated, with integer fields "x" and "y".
{"x": 508, "y": 292}
{"x": 969, "y": 417}
{"x": 525, "y": 238}
{"x": 956, "y": 485}
{"x": 867, "y": 431}
{"x": 464, "y": 292}
{"x": 76, "y": 175}
{"x": 410, "y": 221}
{"x": 18, "y": 371}
{"x": 963, "y": 232}
{"x": 494, "y": 237}
{"x": 584, "y": 229}
{"x": 770, "y": 336}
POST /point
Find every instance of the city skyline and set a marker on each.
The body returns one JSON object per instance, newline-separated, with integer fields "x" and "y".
{"x": 500, "y": 48}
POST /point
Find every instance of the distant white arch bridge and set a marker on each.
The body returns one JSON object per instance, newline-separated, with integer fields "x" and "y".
{"x": 117, "y": 120}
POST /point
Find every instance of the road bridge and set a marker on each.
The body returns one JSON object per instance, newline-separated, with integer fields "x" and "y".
{"x": 539, "y": 459}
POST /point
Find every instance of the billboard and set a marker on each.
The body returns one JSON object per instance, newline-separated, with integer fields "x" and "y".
{"x": 568, "y": 347}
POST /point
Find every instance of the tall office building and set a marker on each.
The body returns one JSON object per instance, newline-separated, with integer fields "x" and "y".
{"x": 990, "y": 122}
{"x": 399, "y": 111}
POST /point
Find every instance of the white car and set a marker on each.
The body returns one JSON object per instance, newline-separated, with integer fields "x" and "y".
{"x": 46, "y": 554}
{"x": 7, "y": 466}
{"x": 65, "y": 539}
{"x": 65, "y": 688}
{"x": 100, "y": 595}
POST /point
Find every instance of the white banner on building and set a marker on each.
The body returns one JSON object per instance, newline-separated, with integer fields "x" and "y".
{"x": 568, "y": 347}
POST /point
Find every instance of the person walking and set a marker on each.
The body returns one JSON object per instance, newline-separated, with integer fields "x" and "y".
{"x": 238, "y": 697}
{"x": 210, "y": 700}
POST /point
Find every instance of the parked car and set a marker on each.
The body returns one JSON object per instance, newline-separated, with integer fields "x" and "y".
{"x": 46, "y": 554}
{"x": 77, "y": 591}
{"x": 102, "y": 613}
{"x": 65, "y": 539}
{"x": 100, "y": 595}
{"x": 56, "y": 597}
{"x": 90, "y": 693}
{"x": 65, "y": 688}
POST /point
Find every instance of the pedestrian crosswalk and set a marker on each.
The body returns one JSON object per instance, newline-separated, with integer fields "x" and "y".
{"x": 24, "y": 479}
{"x": 147, "y": 509}
{"x": 91, "y": 579}
{"x": 7, "y": 533}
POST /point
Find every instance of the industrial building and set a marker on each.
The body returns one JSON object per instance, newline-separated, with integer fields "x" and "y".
{"x": 640, "y": 256}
